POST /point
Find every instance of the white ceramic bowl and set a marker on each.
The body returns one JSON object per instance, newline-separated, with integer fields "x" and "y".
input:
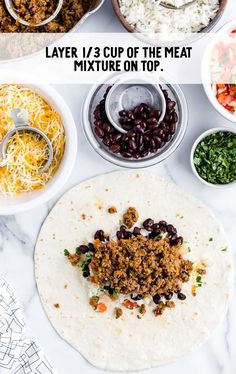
{"x": 206, "y": 74}
{"x": 198, "y": 140}
{"x": 26, "y": 201}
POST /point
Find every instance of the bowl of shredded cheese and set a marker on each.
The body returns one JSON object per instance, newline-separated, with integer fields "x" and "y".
{"x": 22, "y": 187}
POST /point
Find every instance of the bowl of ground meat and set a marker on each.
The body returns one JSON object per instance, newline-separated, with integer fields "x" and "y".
{"x": 70, "y": 17}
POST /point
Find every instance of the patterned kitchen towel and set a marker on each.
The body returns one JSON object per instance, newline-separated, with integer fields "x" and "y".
{"x": 18, "y": 354}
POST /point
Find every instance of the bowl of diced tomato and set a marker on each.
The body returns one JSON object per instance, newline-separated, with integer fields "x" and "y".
{"x": 219, "y": 71}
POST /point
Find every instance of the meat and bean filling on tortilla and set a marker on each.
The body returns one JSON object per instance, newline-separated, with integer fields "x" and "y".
{"x": 138, "y": 267}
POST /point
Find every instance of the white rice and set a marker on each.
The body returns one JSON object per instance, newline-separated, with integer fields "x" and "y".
{"x": 148, "y": 16}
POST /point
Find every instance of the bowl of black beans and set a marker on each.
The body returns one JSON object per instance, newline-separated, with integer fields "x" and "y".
{"x": 144, "y": 136}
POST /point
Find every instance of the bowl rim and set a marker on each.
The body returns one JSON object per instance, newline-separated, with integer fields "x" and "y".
{"x": 126, "y": 163}
{"x": 51, "y": 95}
{"x": 205, "y": 78}
{"x": 189, "y": 40}
{"x": 74, "y": 29}
{"x": 193, "y": 149}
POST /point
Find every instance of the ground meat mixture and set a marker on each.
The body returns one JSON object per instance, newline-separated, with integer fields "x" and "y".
{"x": 112, "y": 210}
{"x": 130, "y": 217}
{"x": 35, "y": 11}
{"x": 118, "y": 312}
{"x": 139, "y": 263}
{"x": 142, "y": 309}
{"x": 141, "y": 266}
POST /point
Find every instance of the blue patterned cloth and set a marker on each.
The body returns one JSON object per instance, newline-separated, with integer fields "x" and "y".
{"x": 18, "y": 353}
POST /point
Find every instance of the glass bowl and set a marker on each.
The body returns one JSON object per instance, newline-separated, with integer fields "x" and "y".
{"x": 95, "y": 95}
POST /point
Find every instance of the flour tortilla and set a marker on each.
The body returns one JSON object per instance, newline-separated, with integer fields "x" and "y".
{"x": 128, "y": 343}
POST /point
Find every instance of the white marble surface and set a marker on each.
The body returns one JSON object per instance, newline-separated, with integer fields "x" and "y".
{"x": 18, "y": 233}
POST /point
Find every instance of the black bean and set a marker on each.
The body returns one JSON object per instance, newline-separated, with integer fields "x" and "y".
{"x": 123, "y": 113}
{"x": 99, "y": 235}
{"x": 117, "y": 138}
{"x": 168, "y": 137}
{"x": 136, "y": 155}
{"x": 144, "y": 153}
{"x": 171, "y": 229}
{"x": 181, "y": 296}
{"x": 91, "y": 247}
{"x": 120, "y": 235}
{"x": 169, "y": 296}
{"x": 138, "y": 122}
{"x": 157, "y": 141}
{"x": 137, "y": 231}
{"x": 154, "y": 234}
{"x": 106, "y": 140}
{"x": 155, "y": 226}
{"x": 168, "y": 118}
{"x": 109, "y": 289}
{"x": 175, "y": 117}
{"x": 172, "y": 128}
{"x": 180, "y": 239}
{"x": 131, "y": 115}
{"x": 174, "y": 240}
{"x": 139, "y": 129}
{"x": 106, "y": 127}
{"x": 171, "y": 105}
{"x": 152, "y": 121}
{"x": 152, "y": 143}
{"x": 135, "y": 297}
{"x": 84, "y": 249}
{"x": 147, "y": 224}
{"x": 165, "y": 93}
{"x": 123, "y": 228}
{"x": 86, "y": 273}
{"x": 127, "y": 126}
{"x": 98, "y": 122}
{"x": 99, "y": 132}
{"x": 126, "y": 154}
{"x": 156, "y": 298}
{"x": 131, "y": 133}
{"x": 139, "y": 139}
{"x": 127, "y": 235}
{"x": 138, "y": 109}
{"x": 115, "y": 148}
{"x": 132, "y": 144}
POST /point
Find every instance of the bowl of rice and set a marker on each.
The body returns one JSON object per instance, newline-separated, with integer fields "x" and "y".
{"x": 22, "y": 185}
{"x": 156, "y": 24}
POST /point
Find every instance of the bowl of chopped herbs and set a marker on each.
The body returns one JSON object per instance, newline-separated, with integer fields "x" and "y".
{"x": 213, "y": 157}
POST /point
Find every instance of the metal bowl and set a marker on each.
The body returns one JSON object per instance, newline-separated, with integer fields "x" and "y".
{"x": 130, "y": 28}
{"x": 94, "y": 7}
{"x": 34, "y": 43}
{"x": 95, "y": 95}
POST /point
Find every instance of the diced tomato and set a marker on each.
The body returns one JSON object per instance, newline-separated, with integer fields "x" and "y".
{"x": 101, "y": 308}
{"x": 130, "y": 304}
{"x": 93, "y": 279}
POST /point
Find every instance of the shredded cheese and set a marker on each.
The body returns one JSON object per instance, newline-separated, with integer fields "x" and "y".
{"x": 27, "y": 152}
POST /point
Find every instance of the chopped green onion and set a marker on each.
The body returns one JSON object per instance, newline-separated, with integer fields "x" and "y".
{"x": 66, "y": 252}
{"x": 215, "y": 158}
{"x": 77, "y": 251}
{"x": 157, "y": 238}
